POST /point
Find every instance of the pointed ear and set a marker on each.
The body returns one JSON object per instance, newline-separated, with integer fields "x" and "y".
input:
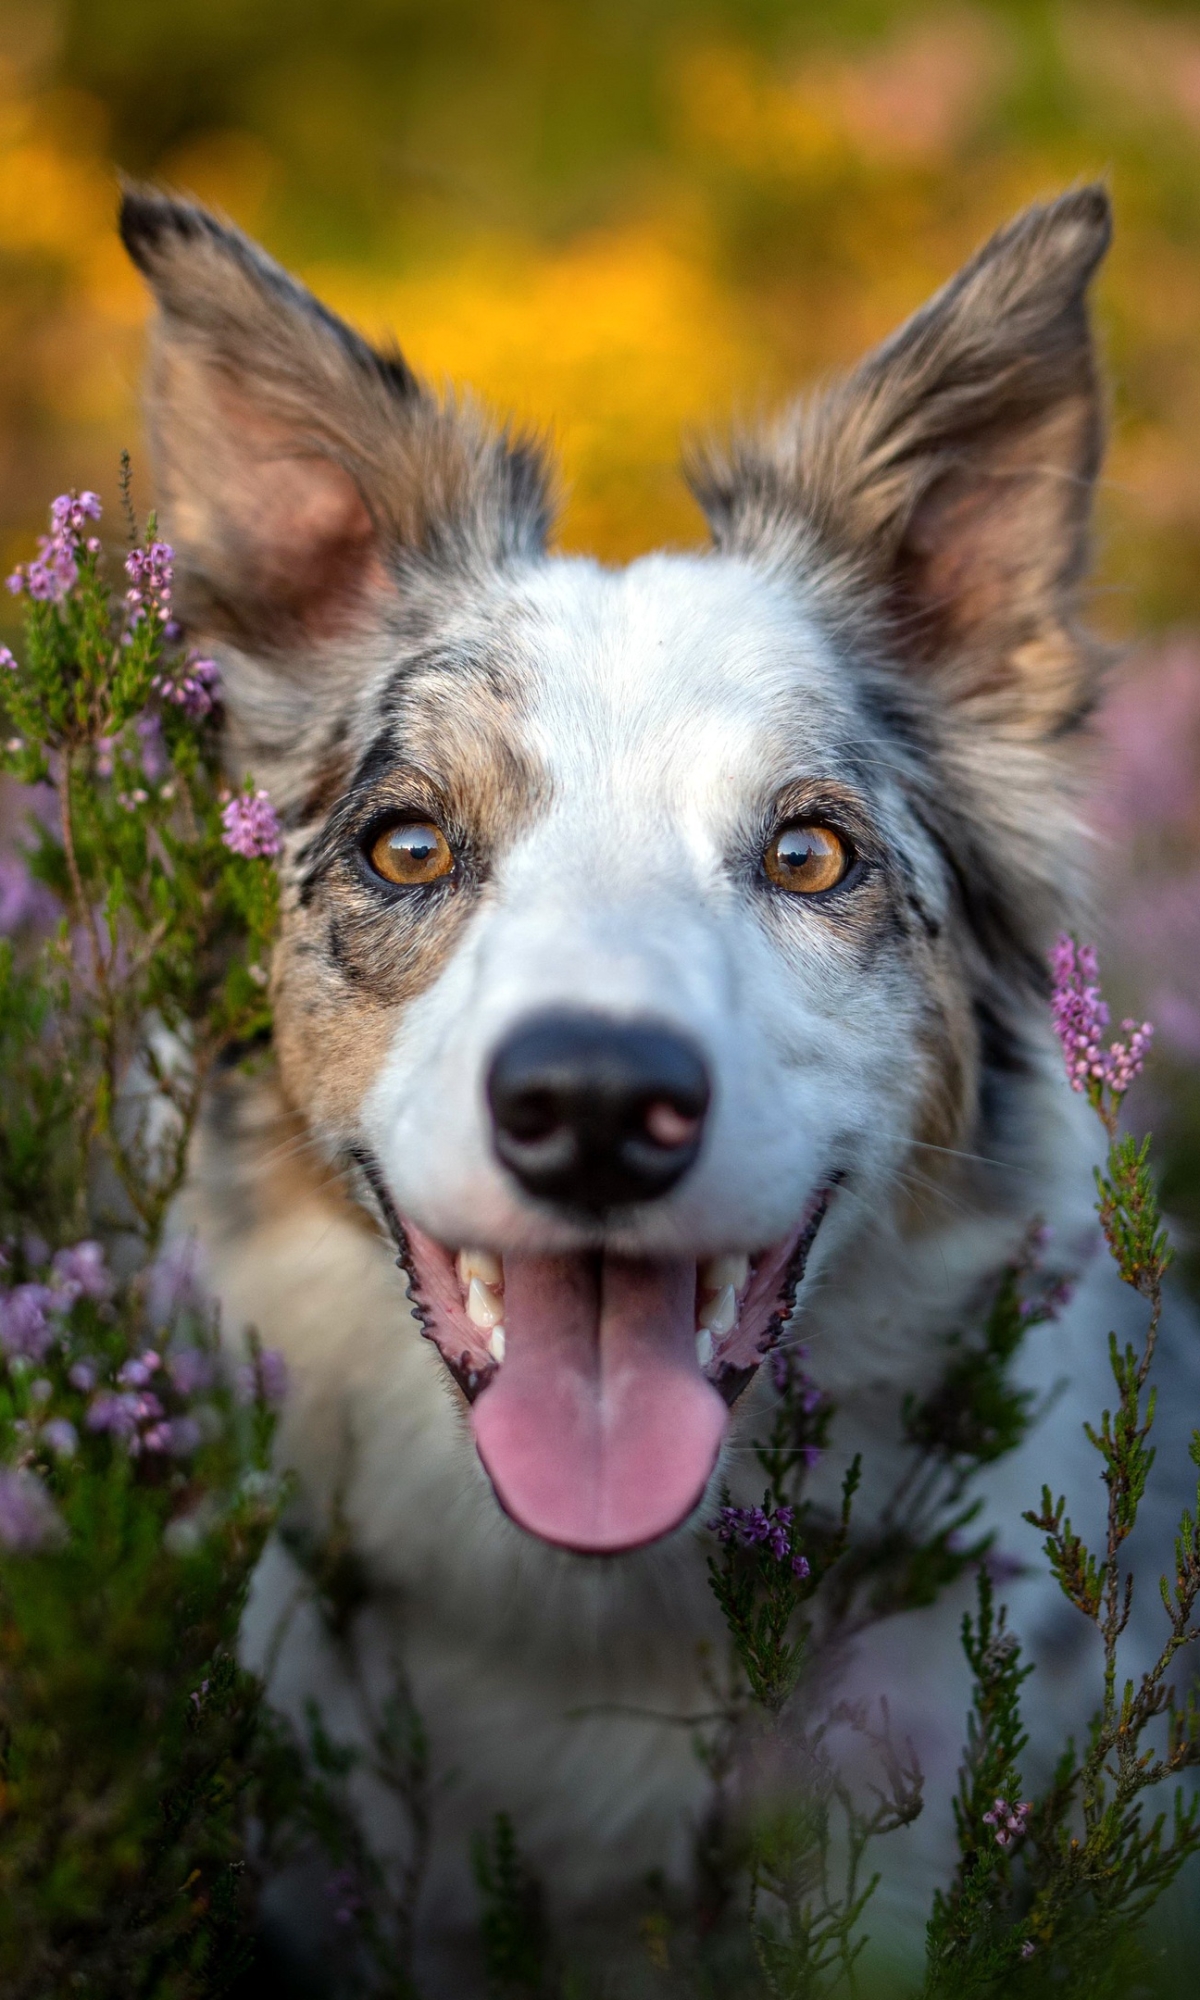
{"x": 299, "y": 470}
{"x": 952, "y": 474}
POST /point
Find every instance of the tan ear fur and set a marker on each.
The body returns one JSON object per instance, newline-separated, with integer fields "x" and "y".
{"x": 299, "y": 468}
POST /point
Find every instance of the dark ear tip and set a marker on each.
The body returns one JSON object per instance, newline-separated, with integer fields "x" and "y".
{"x": 148, "y": 219}
{"x": 1082, "y": 221}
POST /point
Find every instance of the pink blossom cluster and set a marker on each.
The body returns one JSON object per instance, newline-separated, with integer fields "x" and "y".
{"x": 265, "y": 1376}
{"x": 194, "y": 690}
{"x": 29, "y": 1520}
{"x": 7, "y": 658}
{"x": 149, "y": 571}
{"x": 251, "y": 827}
{"x": 760, "y": 1527}
{"x": 55, "y": 568}
{"x": 27, "y": 1311}
{"x": 134, "y": 1412}
{"x": 1080, "y": 1016}
{"x": 1008, "y": 1821}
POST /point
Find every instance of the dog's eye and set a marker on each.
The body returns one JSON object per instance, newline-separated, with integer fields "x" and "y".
{"x": 807, "y": 859}
{"x": 412, "y": 853}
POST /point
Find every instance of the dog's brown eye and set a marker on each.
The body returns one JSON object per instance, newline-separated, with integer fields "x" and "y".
{"x": 412, "y": 853}
{"x": 807, "y": 859}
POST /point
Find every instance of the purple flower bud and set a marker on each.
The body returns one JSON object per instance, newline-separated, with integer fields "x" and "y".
{"x": 29, "y": 1520}
{"x": 136, "y": 1372}
{"x": 149, "y": 594}
{"x": 173, "y": 1283}
{"x": 250, "y": 825}
{"x": 53, "y": 573}
{"x": 111, "y": 1412}
{"x": 155, "y": 761}
{"x": 22, "y": 900}
{"x": 1080, "y": 1016}
{"x": 81, "y": 1268}
{"x": 191, "y": 1370}
{"x": 6, "y": 658}
{"x": 23, "y": 1327}
{"x": 272, "y": 1369}
{"x": 61, "y": 1437}
{"x": 82, "y": 1376}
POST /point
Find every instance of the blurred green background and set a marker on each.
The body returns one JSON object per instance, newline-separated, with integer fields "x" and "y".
{"x": 628, "y": 219}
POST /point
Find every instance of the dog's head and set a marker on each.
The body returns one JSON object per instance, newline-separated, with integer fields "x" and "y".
{"x": 630, "y": 915}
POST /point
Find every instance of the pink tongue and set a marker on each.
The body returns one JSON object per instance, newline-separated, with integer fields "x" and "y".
{"x": 599, "y": 1431}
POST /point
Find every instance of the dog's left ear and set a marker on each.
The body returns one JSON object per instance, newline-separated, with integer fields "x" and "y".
{"x": 952, "y": 473}
{"x": 300, "y": 469}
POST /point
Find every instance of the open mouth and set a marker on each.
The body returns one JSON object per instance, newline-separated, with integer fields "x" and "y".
{"x": 600, "y": 1385}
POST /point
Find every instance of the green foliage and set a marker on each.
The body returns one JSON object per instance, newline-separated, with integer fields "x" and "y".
{"x": 135, "y": 1495}
{"x": 512, "y": 1926}
{"x": 135, "y": 1490}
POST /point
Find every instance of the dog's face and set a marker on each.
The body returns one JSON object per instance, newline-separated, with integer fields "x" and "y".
{"x": 637, "y": 924}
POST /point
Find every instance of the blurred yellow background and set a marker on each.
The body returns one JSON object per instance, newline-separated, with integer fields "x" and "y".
{"x": 622, "y": 219}
{"x": 629, "y": 220}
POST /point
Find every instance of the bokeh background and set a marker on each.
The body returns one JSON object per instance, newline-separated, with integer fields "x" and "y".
{"x": 628, "y": 219}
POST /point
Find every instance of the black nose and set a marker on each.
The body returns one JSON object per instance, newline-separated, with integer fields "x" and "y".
{"x": 595, "y": 1113}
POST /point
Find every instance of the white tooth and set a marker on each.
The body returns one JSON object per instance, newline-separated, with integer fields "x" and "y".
{"x": 733, "y": 1269}
{"x": 704, "y": 1347}
{"x": 480, "y": 1264}
{"x": 496, "y": 1343}
{"x": 719, "y": 1315}
{"x": 484, "y": 1306}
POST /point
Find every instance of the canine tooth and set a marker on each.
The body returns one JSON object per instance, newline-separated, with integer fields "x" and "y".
{"x": 496, "y": 1343}
{"x": 719, "y": 1315}
{"x": 733, "y": 1269}
{"x": 484, "y": 1306}
{"x": 704, "y": 1347}
{"x": 480, "y": 1264}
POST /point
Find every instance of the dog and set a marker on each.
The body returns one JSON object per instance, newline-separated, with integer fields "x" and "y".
{"x": 660, "y": 975}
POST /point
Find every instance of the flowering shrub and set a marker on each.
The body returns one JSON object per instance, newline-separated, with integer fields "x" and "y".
{"x": 135, "y": 1490}
{"x": 143, "y": 1785}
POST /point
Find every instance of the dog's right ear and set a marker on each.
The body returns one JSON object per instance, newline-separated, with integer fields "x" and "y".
{"x": 951, "y": 474}
{"x": 299, "y": 469}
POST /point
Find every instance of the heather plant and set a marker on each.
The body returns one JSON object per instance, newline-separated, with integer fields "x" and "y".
{"x": 1050, "y": 1892}
{"x": 144, "y": 1787}
{"x": 135, "y": 1490}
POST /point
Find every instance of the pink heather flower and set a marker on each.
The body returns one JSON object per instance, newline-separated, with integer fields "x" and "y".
{"x": 82, "y": 1376}
{"x": 251, "y": 827}
{"x": 1080, "y": 1016}
{"x": 29, "y": 1519}
{"x": 178, "y": 1436}
{"x": 7, "y": 660}
{"x": 22, "y": 900}
{"x": 135, "y": 1374}
{"x": 173, "y": 1284}
{"x": 197, "y": 692}
{"x": 190, "y": 1370}
{"x": 23, "y": 1326}
{"x": 61, "y": 1436}
{"x": 81, "y": 1272}
{"x": 268, "y": 1379}
{"x": 155, "y": 761}
{"x": 55, "y": 568}
{"x": 754, "y": 1527}
{"x": 1007, "y": 1821}
{"x": 149, "y": 594}
{"x": 123, "y": 1414}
